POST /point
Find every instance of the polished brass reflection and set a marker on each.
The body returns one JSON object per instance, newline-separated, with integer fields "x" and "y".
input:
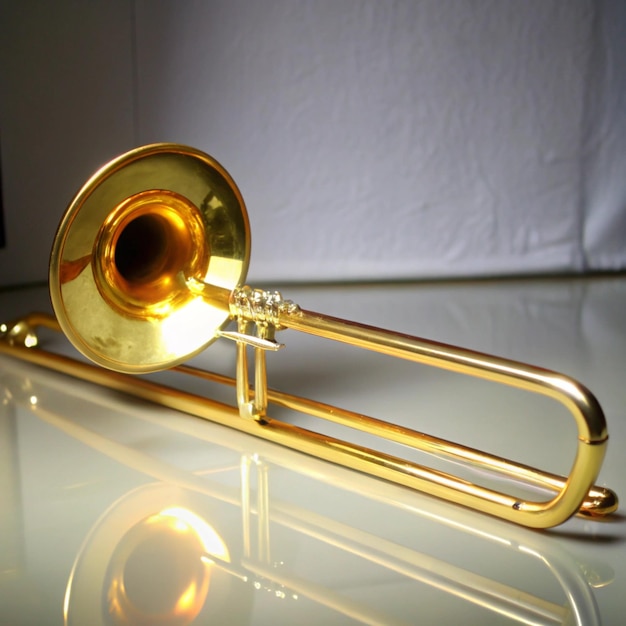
{"x": 205, "y": 567}
{"x": 147, "y": 269}
{"x": 176, "y": 548}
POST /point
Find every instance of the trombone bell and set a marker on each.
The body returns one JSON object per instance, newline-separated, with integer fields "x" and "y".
{"x": 147, "y": 269}
{"x": 134, "y": 234}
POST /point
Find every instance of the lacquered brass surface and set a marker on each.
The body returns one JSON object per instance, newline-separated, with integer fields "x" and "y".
{"x": 134, "y": 233}
{"x": 147, "y": 268}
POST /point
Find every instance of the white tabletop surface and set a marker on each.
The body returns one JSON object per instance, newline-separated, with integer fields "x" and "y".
{"x": 116, "y": 511}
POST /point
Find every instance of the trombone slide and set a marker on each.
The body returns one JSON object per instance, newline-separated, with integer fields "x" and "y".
{"x": 575, "y": 494}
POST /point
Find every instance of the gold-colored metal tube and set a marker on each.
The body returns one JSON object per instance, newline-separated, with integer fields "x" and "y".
{"x": 590, "y": 422}
{"x": 599, "y": 500}
{"x": 579, "y": 400}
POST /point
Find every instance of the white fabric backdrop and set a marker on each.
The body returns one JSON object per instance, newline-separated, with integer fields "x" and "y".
{"x": 401, "y": 139}
{"x": 371, "y": 140}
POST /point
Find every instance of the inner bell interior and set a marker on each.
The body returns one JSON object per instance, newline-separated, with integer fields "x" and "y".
{"x": 141, "y": 251}
{"x": 146, "y": 249}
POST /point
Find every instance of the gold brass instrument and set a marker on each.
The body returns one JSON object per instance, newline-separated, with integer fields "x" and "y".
{"x": 147, "y": 270}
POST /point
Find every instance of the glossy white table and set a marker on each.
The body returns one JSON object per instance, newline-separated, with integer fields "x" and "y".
{"x": 115, "y": 511}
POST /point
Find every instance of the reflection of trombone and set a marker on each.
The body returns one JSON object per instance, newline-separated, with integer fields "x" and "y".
{"x": 146, "y": 271}
{"x": 212, "y": 545}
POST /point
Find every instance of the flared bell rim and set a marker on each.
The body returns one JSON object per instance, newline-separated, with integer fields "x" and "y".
{"x": 196, "y": 179}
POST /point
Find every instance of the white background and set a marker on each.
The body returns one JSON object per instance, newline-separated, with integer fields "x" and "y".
{"x": 371, "y": 140}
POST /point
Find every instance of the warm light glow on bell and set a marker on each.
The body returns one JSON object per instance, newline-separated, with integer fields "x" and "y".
{"x": 187, "y": 600}
{"x": 179, "y": 331}
{"x": 186, "y": 521}
{"x": 160, "y": 571}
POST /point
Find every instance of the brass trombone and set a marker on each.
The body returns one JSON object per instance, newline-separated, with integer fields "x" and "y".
{"x": 147, "y": 270}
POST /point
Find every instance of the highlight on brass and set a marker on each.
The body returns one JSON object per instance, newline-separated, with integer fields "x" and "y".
{"x": 177, "y": 545}
{"x": 148, "y": 269}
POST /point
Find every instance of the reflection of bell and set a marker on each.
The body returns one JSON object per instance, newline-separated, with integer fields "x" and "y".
{"x": 160, "y": 571}
{"x": 154, "y": 558}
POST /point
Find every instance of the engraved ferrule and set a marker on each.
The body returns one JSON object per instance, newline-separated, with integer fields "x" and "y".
{"x": 260, "y": 306}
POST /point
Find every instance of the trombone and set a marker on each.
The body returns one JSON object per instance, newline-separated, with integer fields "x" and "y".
{"x": 147, "y": 270}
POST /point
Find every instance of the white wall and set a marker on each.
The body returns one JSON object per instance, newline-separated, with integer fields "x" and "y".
{"x": 370, "y": 139}
{"x": 603, "y": 173}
